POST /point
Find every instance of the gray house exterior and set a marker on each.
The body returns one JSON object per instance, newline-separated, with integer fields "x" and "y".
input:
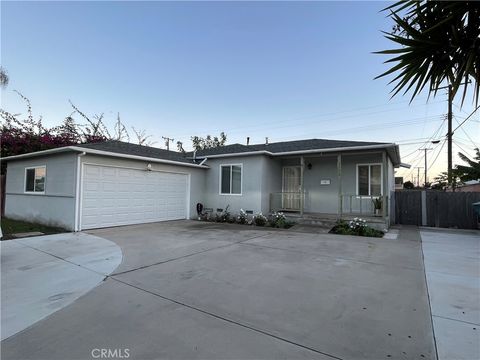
{"x": 115, "y": 183}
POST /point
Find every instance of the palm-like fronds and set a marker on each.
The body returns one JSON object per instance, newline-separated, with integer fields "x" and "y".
{"x": 439, "y": 43}
{"x": 470, "y": 171}
{"x": 3, "y": 77}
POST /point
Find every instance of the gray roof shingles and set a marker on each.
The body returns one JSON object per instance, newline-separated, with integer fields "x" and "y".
{"x": 279, "y": 147}
{"x": 121, "y": 147}
{"x": 286, "y": 146}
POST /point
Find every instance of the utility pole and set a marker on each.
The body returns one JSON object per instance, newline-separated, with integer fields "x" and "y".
{"x": 449, "y": 135}
{"x": 167, "y": 141}
{"x": 418, "y": 175}
{"x": 425, "y": 149}
{"x": 450, "y": 132}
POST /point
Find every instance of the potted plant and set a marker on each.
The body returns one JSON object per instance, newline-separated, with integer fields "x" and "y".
{"x": 377, "y": 205}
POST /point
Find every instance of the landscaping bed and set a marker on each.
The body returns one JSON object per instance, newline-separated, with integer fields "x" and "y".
{"x": 356, "y": 227}
{"x": 11, "y": 227}
{"x": 275, "y": 220}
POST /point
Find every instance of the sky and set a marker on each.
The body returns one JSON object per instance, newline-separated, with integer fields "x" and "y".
{"x": 282, "y": 70}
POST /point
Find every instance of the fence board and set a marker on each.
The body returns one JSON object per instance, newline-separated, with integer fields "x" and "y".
{"x": 408, "y": 207}
{"x": 452, "y": 209}
{"x": 444, "y": 209}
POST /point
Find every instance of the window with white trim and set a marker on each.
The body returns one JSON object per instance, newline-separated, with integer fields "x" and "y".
{"x": 369, "y": 180}
{"x": 35, "y": 179}
{"x": 231, "y": 179}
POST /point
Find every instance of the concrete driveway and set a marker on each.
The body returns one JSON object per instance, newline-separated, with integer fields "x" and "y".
{"x": 453, "y": 276}
{"x": 41, "y": 275}
{"x": 198, "y": 290}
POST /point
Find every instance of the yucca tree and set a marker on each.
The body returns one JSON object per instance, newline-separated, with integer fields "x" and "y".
{"x": 3, "y": 77}
{"x": 439, "y": 44}
{"x": 470, "y": 171}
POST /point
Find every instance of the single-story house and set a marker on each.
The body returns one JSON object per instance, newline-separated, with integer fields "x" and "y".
{"x": 115, "y": 183}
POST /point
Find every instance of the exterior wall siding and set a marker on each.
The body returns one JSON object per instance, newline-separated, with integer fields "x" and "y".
{"x": 261, "y": 176}
{"x": 271, "y": 180}
{"x": 57, "y": 206}
{"x": 197, "y": 175}
{"x": 252, "y": 197}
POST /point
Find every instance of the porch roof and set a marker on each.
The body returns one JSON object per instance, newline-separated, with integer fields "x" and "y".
{"x": 300, "y": 147}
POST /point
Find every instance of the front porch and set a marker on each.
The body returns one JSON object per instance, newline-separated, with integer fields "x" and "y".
{"x": 349, "y": 205}
{"x": 324, "y": 188}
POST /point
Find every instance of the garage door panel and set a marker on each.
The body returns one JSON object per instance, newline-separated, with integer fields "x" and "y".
{"x": 114, "y": 196}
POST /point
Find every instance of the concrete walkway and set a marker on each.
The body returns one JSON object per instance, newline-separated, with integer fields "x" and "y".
{"x": 41, "y": 275}
{"x": 453, "y": 278}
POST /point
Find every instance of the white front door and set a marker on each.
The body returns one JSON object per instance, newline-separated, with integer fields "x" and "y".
{"x": 291, "y": 188}
{"x": 113, "y": 196}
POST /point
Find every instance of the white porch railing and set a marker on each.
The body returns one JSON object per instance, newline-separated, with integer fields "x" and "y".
{"x": 287, "y": 201}
{"x": 363, "y": 205}
{"x": 349, "y": 204}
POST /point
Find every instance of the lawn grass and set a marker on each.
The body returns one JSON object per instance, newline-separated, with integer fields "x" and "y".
{"x": 10, "y": 227}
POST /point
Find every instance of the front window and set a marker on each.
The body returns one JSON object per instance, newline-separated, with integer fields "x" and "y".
{"x": 35, "y": 179}
{"x": 369, "y": 180}
{"x": 231, "y": 179}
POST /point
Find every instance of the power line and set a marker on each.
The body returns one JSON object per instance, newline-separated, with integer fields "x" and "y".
{"x": 468, "y": 117}
{"x": 468, "y": 136}
{"x": 436, "y": 132}
{"x": 460, "y": 109}
{"x": 438, "y": 154}
{"x": 369, "y": 127}
{"x": 418, "y": 159}
{"x": 425, "y": 168}
{"x": 267, "y": 125}
{"x": 463, "y": 142}
{"x": 457, "y": 143}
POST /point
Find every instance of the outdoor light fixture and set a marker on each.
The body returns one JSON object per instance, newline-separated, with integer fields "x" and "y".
{"x": 309, "y": 166}
{"x": 149, "y": 167}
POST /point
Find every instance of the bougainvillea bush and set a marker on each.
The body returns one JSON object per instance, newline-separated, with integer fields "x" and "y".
{"x": 22, "y": 133}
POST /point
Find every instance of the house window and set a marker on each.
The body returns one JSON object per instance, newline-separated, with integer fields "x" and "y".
{"x": 35, "y": 179}
{"x": 369, "y": 180}
{"x": 231, "y": 179}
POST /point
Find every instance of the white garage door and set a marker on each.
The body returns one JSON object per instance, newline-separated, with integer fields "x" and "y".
{"x": 113, "y": 196}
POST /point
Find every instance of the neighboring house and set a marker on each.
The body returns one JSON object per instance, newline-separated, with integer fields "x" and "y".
{"x": 115, "y": 183}
{"x": 469, "y": 186}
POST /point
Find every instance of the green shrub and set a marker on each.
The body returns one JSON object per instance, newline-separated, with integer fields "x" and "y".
{"x": 242, "y": 217}
{"x": 224, "y": 216}
{"x": 260, "y": 220}
{"x": 357, "y": 227}
{"x": 277, "y": 220}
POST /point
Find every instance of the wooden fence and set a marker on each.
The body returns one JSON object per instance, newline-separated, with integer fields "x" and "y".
{"x": 436, "y": 209}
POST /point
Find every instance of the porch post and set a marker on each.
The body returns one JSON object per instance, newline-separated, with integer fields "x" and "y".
{"x": 386, "y": 192}
{"x": 339, "y": 174}
{"x": 302, "y": 170}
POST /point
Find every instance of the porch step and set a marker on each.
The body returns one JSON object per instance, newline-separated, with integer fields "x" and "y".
{"x": 328, "y": 221}
{"x": 311, "y": 229}
{"x": 315, "y": 220}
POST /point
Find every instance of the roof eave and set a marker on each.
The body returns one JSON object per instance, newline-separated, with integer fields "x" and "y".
{"x": 103, "y": 153}
{"x": 40, "y": 153}
{"x": 137, "y": 157}
{"x": 300, "y": 152}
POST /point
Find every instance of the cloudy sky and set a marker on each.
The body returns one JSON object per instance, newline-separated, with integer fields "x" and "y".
{"x": 280, "y": 70}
